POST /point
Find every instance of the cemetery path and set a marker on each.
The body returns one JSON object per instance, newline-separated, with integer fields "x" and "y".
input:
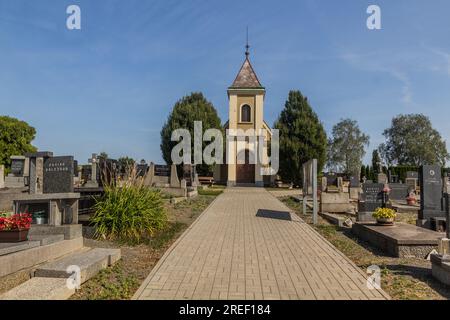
{"x": 247, "y": 245}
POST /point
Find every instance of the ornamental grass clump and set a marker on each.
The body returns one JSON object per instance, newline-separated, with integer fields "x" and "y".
{"x": 128, "y": 210}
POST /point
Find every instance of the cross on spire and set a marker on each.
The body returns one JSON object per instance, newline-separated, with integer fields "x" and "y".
{"x": 247, "y": 53}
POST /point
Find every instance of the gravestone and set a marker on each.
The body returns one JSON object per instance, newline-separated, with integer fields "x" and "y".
{"x": 310, "y": 170}
{"x": 354, "y": 182}
{"x": 323, "y": 185}
{"x": 340, "y": 184}
{"x": 411, "y": 183}
{"x": 51, "y": 199}
{"x": 37, "y": 159}
{"x": 372, "y": 198}
{"x": 189, "y": 173}
{"x": 331, "y": 178}
{"x": 109, "y": 171}
{"x": 162, "y": 170}
{"x": 399, "y": 191}
{"x": 430, "y": 196}
{"x": 141, "y": 169}
{"x": 446, "y": 182}
{"x": 332, "y": 182}
{"x": 174, "y": 181}
{"x": 183, "y": 184}
{"x": 196, "y": 181}
{"x": 382, "y": 178}
{"x": 158, "y": 176}
{"x": 75, "y": 168}
{"x": 354, "y": 187}
{"x": 394, "y": 179}
{"x": 18, "y": 166}
{"x": 2, "y": 176}
{"x": 93, "y": 177}
{"x": 16, "y": 178}
{"x": 412, "y": 174}
{"x": 447, "y": 213}
{"x": 58, "y": 174}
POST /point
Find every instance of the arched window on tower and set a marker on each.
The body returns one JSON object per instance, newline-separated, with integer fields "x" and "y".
{"x": 246, "y": 113}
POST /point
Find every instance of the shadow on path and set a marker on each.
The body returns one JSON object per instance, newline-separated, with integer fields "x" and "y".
{"x": 274, "y": 214}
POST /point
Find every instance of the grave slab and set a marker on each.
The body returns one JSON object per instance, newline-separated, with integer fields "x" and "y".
{"x": 70, "y": 231}
{"x": 400, "y": 240}
{"x": 7, "y": 248}
{"x": 90, "y": 263}
{"x": 440, "y": 268}
{"x": 335, "y": 202}
{"x": 40, "y": 289}
{"x": 46, "y": 239}
{"x": 24, "y": 259}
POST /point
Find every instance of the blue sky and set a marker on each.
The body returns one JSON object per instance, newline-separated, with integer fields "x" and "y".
{"x": 110, "y": 86}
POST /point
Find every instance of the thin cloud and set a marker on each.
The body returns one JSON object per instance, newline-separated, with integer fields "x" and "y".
{"x": 371, "y": 62}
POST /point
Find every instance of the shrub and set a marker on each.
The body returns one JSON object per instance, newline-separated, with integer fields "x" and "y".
{"x": 128, "y": 211}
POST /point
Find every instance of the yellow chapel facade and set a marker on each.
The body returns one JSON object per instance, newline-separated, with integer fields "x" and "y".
{"x": 246, "y": 111}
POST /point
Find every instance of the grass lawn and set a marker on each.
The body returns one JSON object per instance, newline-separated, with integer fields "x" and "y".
{"x": 123, "y": 279}
{"x": 402, "y": 278}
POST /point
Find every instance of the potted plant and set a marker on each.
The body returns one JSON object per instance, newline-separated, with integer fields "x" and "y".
{"x": 385, "y": 216}
{"x": 14, "y": 227}
{"x": 411, "y": 199}
{"x": 39, "y": 217}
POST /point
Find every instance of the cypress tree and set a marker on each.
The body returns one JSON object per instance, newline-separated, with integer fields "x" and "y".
{"x": 302, "y": 137}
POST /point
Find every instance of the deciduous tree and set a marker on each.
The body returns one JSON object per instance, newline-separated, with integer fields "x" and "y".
{"x": 412, "y": 140}
{"x": 15, "y": 139}
{"x": 346, "y": 147}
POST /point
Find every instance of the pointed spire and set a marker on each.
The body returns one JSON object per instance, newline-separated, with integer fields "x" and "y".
{"x": 246, "y": 77}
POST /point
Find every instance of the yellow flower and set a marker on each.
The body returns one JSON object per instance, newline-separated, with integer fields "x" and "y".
{"x": 384, "y": 213}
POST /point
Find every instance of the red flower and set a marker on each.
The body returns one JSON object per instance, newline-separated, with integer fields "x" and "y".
{"x": 19, "y": 221}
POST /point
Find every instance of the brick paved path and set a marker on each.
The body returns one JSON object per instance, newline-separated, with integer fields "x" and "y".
{"x": 237, "y": 250}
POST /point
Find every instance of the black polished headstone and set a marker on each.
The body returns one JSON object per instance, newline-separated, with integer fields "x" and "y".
{"x": 141, "y": 169}
{"x": 399, "y": 191}
{"x": 372, "y": 197}
{"x": 162, "y": 170}
{"x": 354, "y": 182}
{"x": 86, "y": 171}
{"x": 431, "y": 192}
{"x": 17, "y": 167}
{"x": 75, "y": 168}
{"x": 58, "y": 174}
{"x": 331, "y": 178}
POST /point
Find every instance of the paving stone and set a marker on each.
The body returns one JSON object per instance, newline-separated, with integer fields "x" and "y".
{"x": 40, "y": 289}
{"x": 232, "y": 253}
